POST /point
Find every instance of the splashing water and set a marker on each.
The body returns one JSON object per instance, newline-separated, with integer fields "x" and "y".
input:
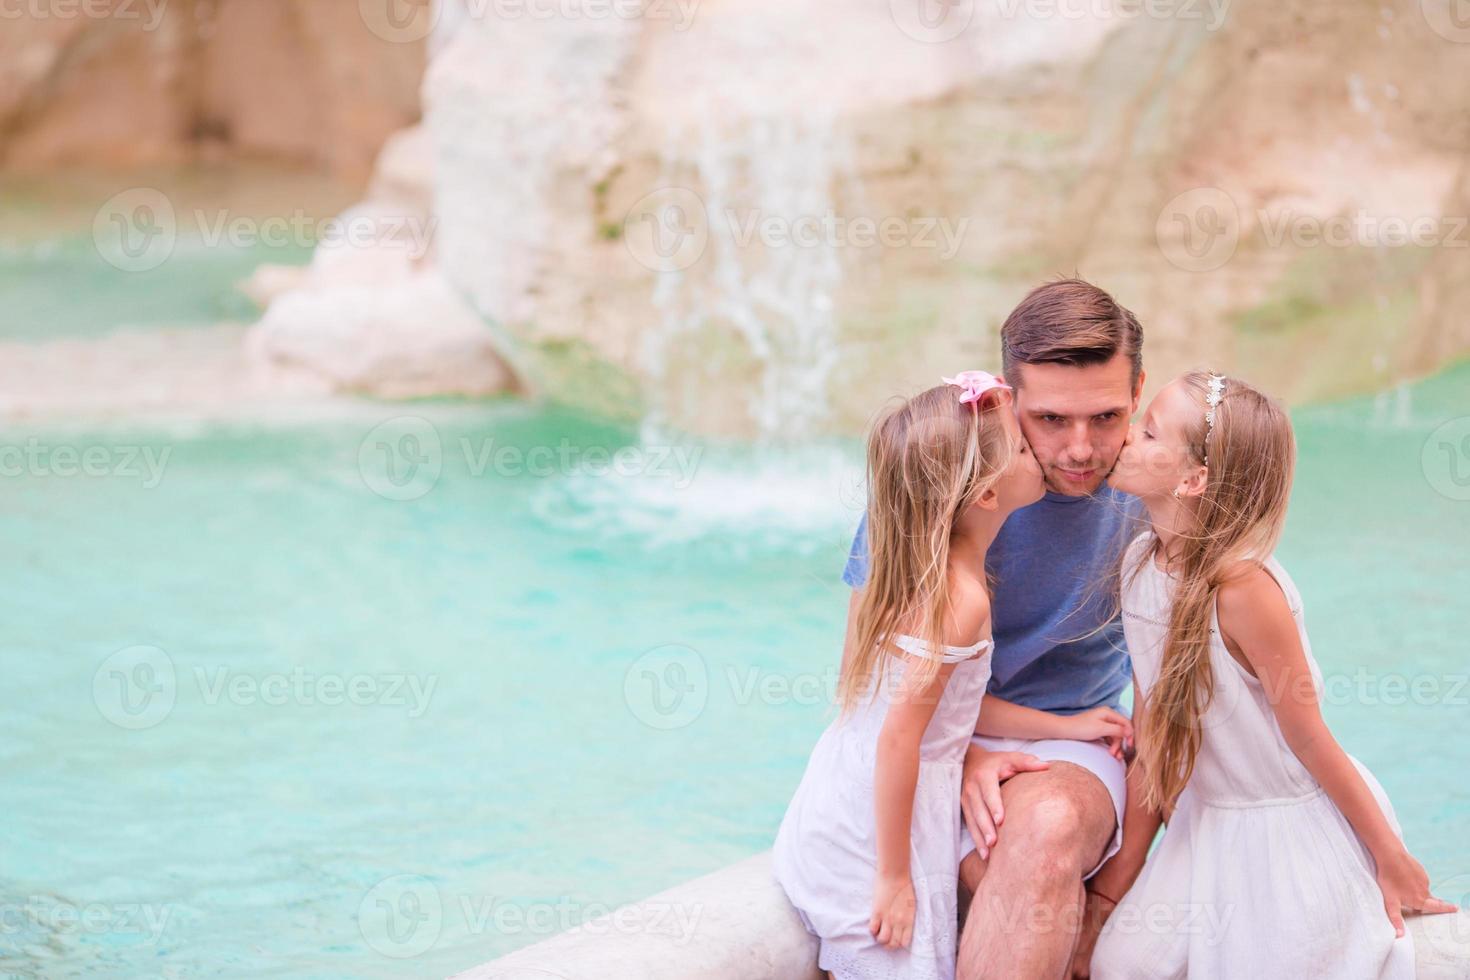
{"x": 767, "y": 499}
{"x": 775, "y": 297}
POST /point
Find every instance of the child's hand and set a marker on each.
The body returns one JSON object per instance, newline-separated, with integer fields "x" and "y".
{"x": 892, "y": 922}
{"x": 980, "y": 802}
{"x": 1101, "y": 723}
{"x": 1405, "y": 885}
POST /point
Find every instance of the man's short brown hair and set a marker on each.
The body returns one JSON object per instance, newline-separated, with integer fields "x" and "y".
{"x": 1069, "y": 321}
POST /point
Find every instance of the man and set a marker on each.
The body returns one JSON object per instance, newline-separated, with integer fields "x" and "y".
{"x": 1074, "y": 357}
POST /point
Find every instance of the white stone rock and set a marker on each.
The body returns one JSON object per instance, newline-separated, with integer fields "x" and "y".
{"x": 372, "y": 243}
{"x": 269, "y": 280}
{"x": 371, "y": 313}
{"x": 1081, "y": 142}
{"x": 405, "y": 170}
{"x": 404, "y": 338}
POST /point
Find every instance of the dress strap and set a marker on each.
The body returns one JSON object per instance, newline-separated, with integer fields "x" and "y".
{"x": 950, "y": 655}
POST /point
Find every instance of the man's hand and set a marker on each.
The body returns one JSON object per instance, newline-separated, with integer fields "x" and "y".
{"x": 980, "y": 791}
{"x": 1094, "y": 916}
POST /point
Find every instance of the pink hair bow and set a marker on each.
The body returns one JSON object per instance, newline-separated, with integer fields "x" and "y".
{"x": 977, "y": 385}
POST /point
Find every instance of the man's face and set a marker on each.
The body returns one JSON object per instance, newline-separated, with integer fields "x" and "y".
{"x": 1076, "y": 419}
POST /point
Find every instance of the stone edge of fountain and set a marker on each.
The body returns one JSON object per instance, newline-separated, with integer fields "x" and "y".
{"x": 744, "y": 929}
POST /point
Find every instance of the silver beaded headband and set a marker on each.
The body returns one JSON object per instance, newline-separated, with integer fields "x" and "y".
{"x": 1217, "y": 391}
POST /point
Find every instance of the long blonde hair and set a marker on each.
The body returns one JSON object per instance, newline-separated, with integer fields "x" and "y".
{"x": 1249, "y": 454}
{"x": 929, "y": 459}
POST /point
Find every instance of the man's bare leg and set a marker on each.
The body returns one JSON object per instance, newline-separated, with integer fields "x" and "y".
{"x": 1023, "y": 920}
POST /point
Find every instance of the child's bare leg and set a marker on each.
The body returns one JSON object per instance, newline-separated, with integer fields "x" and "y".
{"x": 972, "y": 869}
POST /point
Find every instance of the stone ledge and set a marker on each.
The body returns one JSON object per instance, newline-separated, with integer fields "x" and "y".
{"x": 735, "y": 924}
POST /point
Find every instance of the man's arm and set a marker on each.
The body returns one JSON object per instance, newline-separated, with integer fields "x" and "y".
{"x": 855, "y": 572}
{"x": 850, "y": 637}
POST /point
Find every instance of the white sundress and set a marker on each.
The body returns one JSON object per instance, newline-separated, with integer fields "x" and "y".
{"x": 826, "y": 851}
{"x": 1258, "y": 874}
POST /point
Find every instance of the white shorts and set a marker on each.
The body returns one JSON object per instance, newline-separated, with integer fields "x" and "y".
{"x": 1092, "y": 756}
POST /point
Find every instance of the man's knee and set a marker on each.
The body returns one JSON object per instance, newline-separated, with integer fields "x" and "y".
{"x": 1059, "y": 824}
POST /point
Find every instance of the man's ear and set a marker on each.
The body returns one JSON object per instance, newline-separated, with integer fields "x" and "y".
{"x": 1138, "y": 389}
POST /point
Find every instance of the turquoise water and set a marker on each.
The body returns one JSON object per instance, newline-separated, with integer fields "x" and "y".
{"x": 194, "y": 287}
{"x": 59, "y": 278}
{"x": 527, "y": 777}
{"x": 355, "y": 696}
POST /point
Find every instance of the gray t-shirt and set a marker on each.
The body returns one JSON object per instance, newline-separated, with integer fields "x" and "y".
{"x": 1047, "y": 564}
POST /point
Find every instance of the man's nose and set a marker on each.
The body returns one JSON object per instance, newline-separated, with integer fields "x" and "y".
{"x": 1079, "y": 442}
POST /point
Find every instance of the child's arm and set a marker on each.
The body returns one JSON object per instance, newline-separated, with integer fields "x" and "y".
{"x": 1256, "y": 621}
{"x": 896, "y": 774}
{"x": 1003, "y": 719}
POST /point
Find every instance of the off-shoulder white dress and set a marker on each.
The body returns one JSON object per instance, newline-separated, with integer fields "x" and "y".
{"x": 1258, "y": 876}
{"x": 826, "y": 850}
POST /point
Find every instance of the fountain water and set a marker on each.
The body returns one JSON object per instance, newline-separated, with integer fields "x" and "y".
{"x": 773, "y": 290}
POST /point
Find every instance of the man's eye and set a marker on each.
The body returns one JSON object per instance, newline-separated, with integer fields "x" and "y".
{"x": 1052, "y": 419}
{"x": 1107, "y": 416}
